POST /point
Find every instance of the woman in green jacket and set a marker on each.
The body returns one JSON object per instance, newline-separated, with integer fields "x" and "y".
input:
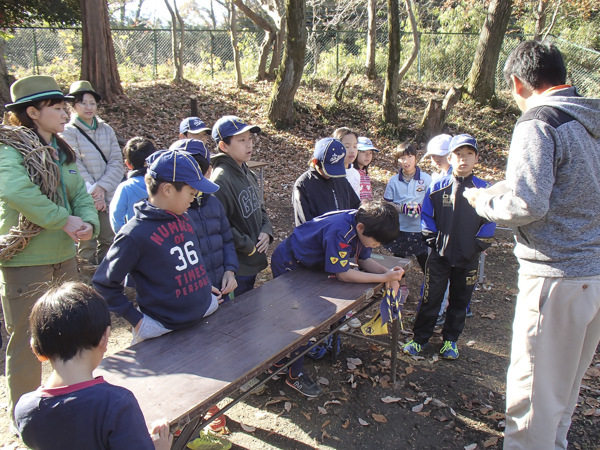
{"x": 39, "y": 105}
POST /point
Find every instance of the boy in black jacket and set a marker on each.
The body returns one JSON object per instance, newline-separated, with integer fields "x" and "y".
{"x": 456, "y": 235}
{"x": 160, "y": 250}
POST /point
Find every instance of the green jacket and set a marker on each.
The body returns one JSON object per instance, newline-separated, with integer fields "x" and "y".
{"x": 19, "y": 195}
{"x": 240, "y": 195}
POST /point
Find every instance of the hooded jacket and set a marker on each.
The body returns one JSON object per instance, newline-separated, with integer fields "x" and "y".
{"x": 216, "y": 240}
{"x": 314, "y": 195}
{"x": 128, "y": 193}
{"x": 92, "y": 167}
{"x": 451, "y": 226}
{"x": 553, "y": 174}
{"x": 161, "y": 252}
{"x": 239, "y": 194}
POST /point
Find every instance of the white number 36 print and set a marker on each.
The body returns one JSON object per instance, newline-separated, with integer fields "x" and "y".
{"x": 190, "y": 254}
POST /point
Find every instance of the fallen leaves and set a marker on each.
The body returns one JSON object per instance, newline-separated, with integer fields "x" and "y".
{"x": 364, "y": 423}
{"x": 418, "y": 408}
{"x": 389, "y": 399}
{"x": 307, "y": 415}
{"x": 409, "y": 370}
{"x": 323, "y": 381}
{"x": 276, "y": 400}
{"x": 322, "y": 410}
{"x": 491, "y": 441}
{"x": 470, "y": 344}
{"x": 380, "y": 418}
{"x": 287, "y": 406}
{"x": 471, "y": 447}
{"x": 491, "y": 316}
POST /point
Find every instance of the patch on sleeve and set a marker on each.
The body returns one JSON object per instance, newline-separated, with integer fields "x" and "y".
{"x": 343, "y": 254}
{"x": 344, "y": 245}
{"x": 333, "y": 260}
{"x": 72, "y": 171}
{"x": 343, "y": 262}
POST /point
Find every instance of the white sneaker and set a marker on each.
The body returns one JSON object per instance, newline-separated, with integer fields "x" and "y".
{"x": 354, "y": 323}
{"x": 344, "y": 327}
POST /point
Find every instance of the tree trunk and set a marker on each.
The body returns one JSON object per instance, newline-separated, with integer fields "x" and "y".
{"x": 316, "y": 51}
{"x": 540, "y": 19}
{"x": 390, "y": 91}
{"x": 270, "y": 32}
{"x": 370, "y": 69}
{"x": 138, "y": 11}
{"x": 416, "y": 41}
{"x": 176, "y": 48}
{"x": 437, "y": 112}
{"x": 234, "y": 45}
{"x": 281, "y": 105}
{"x": 481, "y": 83}
{"x": 98, "y": 62}
{"x": 277, "y": 46}
{"x": 5, "y": 79}
{"x": 181, "y": 42}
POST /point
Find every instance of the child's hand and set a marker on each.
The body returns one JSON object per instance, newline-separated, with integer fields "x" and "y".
{"x": 394, "y": 285}
{"x": 229, "y": 283}
{"x": 73, "y": 226}
{"x": 161, "y": 437}
{"x": 395, "y": 274}
{"x": 217, "y": 293}
{"x": 263, "y": 243}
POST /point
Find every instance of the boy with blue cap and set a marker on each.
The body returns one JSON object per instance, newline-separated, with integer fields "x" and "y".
{"x": 331, "y": 242}
{"x": 212, "y": 227}
{"x": 457, "y": 236}
{"x": 194, "y": 128}
{"x": 159, "y": 248}
{"x": 323, "y": 187}
{"x": 239, "y": 194}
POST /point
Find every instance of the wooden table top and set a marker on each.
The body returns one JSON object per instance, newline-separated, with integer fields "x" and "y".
{"x": 184, "y": 372}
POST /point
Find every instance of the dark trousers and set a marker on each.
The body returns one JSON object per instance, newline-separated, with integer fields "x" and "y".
{"x": 245, "y": 284}
{"x": 462, "y": 281}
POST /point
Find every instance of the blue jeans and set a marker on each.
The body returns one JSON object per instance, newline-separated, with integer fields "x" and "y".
{"x": 245, "y": 284}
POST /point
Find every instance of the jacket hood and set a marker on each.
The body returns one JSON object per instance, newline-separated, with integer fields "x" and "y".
{"x": 585, "y": 110}
{"x": 223, "y": 159}
{"x": 144, "y": 210}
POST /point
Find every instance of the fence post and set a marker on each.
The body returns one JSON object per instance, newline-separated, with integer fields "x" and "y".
{"x": 337, "y": 53}
{"x": 154, "y": 59}
{"x": 35, "y": 61}
{"x": 212, "y": 70}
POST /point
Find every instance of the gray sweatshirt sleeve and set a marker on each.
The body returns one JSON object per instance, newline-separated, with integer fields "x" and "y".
{"x": 530, "y": 176}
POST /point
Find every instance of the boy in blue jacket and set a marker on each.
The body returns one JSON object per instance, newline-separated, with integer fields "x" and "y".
{"x": 212, "y": 227}
{"x": 159, "y": 248}
{"x": 132, "y": 190}
{"x": 331, "y": 242}
{"x": 456, "y": 235}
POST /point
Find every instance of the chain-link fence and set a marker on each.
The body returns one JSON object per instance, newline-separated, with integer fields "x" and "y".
{"x": 145, "y": 54}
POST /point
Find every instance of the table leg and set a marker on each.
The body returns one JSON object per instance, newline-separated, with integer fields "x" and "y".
{"x": 186, "y": 434}
{"x": 395, "y": 333}
{"x": 334, "y": 340}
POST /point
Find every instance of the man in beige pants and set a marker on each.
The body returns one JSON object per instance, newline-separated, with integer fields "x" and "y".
{"x": 552, "y": 201}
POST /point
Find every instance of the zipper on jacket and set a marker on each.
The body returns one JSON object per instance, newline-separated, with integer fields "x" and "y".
{"x": 522, "y": 233}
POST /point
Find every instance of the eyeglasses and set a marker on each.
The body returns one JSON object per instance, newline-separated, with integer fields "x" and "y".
{"x": 88, "y": 105}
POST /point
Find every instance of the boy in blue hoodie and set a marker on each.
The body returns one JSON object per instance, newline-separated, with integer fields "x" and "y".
{"x": 212, "y": 227}
{"x": 457, "y": 236}
{"x": 160, "y": 250}
{"x": 131, "y": 191}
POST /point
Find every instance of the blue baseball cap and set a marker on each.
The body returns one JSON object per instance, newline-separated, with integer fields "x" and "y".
{"x": 192, "y": 125}
{"x": 331, "y": 152}
{"x": 192, "y": 146}
{"x": 231, "y": 126}
{"x": 177, "y": 165}
{"x": 365, "y": 144}
{"x": 462, "y": 140}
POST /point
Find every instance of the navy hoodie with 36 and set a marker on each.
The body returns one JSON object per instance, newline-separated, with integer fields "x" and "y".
{"x": 161, "y": 252}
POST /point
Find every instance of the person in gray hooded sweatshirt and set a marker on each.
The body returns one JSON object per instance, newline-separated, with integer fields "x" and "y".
{"x": 552, "y": 201}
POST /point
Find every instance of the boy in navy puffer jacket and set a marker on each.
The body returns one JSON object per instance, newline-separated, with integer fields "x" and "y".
{"x": 212, "y": 227}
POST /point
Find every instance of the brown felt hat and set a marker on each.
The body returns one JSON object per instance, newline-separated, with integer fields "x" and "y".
{"x": 84, "y": 87}
{"x": 29, "y": 90}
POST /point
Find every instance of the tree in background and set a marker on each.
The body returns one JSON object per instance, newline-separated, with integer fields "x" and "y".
{"x": 234, "y": 44}
{"x": 370, "y": 69}
{"x": 98, "y": 60}
{"x": 481, "y": 83}
{"x": 390, "y": 90}
{"x": 177, "y": 45}
{"x": 55, "y": 13}
{"x": 281, "y": 105}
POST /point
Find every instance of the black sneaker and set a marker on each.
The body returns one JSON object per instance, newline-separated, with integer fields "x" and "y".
{"x": 304, "y": 384}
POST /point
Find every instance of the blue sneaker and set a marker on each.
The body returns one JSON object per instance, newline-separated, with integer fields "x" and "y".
{"x": 412, "y": 348}
{"x": 469, "y": 312}
{"x": 449, "y": 350}
{"x": 317, "y": 353}
{"x": 329, "y": 344}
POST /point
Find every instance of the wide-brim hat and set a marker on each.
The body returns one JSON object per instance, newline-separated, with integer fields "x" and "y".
{"x": 32, "y": 89}
{"x": 84, "y": 87}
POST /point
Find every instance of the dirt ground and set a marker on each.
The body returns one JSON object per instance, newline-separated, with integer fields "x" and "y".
{"x": 436, "y": 404}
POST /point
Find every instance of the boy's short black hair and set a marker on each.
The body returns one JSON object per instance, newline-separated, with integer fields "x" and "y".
{"x": 153, "y": 184}
{"x": 137, "y": 150}
{"x": 202, "y": 162}
{"x": 67, "y": 319}
{"x": 380, "y": 219}
{"x": 535, "y": 64}
{"x": 404, "y": 149}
